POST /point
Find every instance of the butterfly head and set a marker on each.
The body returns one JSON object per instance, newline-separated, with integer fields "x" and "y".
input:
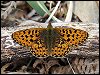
{"x": 49, "y": 26}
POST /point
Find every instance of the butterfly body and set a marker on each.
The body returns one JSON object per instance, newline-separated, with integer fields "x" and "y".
{"x": 55, "y": 42}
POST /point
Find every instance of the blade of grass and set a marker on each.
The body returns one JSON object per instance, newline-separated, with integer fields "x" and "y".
{"x": 35, "y": 5}
{"x": 55, "y": 9}
{"x": 69, "y": 13}
{"x": 41, "y": 9}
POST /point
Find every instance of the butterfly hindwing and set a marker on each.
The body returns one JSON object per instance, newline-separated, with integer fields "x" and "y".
{"x": 39, "y": 48}
{"x": 61, "y": 48}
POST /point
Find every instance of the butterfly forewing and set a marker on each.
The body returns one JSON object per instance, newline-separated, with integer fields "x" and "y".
{"x": 31, "y": 38}
{"x": 72, "y": 36}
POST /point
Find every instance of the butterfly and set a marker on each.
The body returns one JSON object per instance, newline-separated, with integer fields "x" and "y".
{"x": 55, "y": 42}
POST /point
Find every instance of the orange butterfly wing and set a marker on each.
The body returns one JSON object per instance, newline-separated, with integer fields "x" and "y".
{"x": 31, "y": 38}
{"x": 67, "y": 38}
{"x": 73, "y": 36}
{"x": 60, "y": 48}
{"x": 58, "y": 45}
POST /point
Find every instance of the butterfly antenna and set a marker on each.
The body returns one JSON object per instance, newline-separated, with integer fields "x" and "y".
{"x": 70, "y": 66}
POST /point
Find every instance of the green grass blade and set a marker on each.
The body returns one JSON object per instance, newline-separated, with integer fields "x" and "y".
{"x": 40, "y": 8}
{"x": 36, "y": 6}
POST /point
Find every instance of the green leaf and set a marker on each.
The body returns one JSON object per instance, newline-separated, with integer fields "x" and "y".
{"x": 39, "y": 6}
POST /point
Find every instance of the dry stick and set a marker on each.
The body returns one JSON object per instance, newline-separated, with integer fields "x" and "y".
{"x": 71, "y": 66}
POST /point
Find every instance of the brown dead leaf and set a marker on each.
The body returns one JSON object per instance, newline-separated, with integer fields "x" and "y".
{"x": 62, "y": 70}
{"x": 52, "y": 63}
{"x": 4, "y": 68}
{"x": 85, "y": 65}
